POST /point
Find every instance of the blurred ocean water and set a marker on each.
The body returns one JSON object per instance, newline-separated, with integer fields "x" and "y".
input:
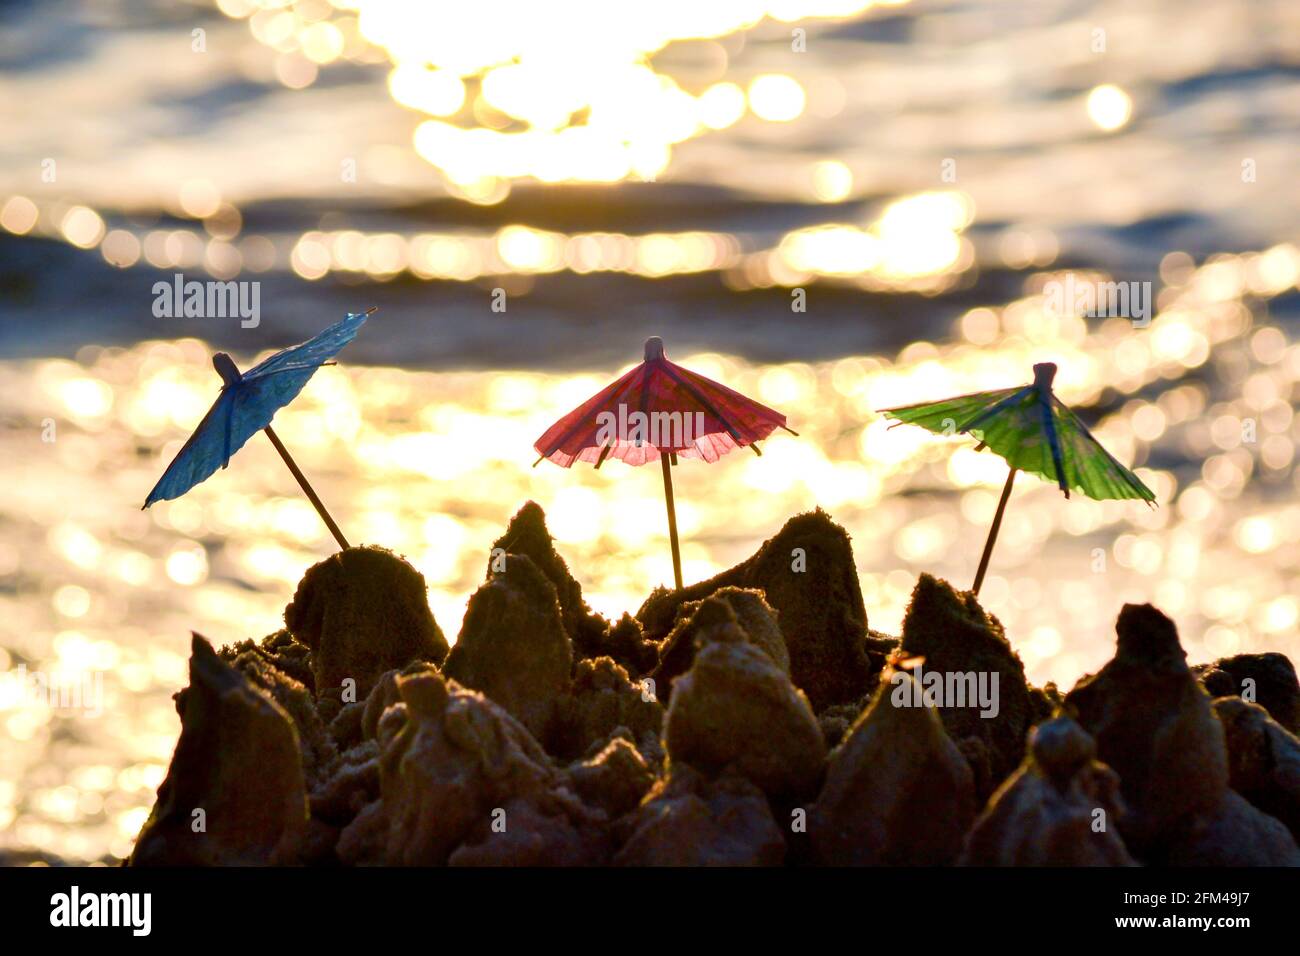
{"x": 1089, "y": 134}
{"x": 921, "y": 171}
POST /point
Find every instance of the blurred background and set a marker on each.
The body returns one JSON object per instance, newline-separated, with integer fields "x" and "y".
{"x": 833, "y": 206}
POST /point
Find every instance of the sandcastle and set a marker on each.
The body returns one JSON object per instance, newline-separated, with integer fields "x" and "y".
{"x": 752, "y": 719}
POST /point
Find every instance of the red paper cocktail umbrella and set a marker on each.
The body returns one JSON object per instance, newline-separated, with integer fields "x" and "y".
{"x": 655, "y": 408}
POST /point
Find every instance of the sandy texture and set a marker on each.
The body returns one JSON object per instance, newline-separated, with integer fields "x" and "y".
{"x": 700, "y": 732}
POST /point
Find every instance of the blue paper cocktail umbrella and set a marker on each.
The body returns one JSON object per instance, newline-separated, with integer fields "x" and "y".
{"x": 246, "y": 405}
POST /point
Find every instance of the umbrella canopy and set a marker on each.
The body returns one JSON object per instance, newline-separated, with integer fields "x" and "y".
{"x": 1033, "y": 431}
{"x": 655, "y": 408}
{"x": 247, "y": 403}
{"x": 658, "y": 406}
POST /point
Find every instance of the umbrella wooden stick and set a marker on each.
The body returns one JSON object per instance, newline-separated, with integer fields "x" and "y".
{"x": 993, "y": 532}
{"x": 672, "y": 519}
{"x": 316, "y": 502}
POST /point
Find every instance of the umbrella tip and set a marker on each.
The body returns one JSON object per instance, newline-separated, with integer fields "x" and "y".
{"x": 654, "y": 348}
{"x": 1044, "y": 373}
{"x": 226, "y": 368}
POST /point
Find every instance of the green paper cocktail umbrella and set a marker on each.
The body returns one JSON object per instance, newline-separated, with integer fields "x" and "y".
{"x": 1035, "y": 432}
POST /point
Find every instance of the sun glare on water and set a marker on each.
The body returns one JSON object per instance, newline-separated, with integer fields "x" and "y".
{"x": 431, "y": 466}
{"x": 559, "y": 92}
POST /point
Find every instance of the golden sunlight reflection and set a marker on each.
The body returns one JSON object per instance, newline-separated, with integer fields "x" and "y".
{"x": 832, "y": 181}
{"x": 1109, "y": 107}
{"x": 432, "y": 465}
{"x": 557, "y": 92}
{"x": 914, "y": 243}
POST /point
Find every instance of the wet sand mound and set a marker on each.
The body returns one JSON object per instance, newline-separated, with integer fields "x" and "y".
{"x": 689, "y": 819}
{"x": 615, "y": 779}
{"x": 806, "y": 573}
{"x": 361, "y": 612}
{"x": 1265, "y": 679}
{"x": 898, "y": 791}
{"x": 317, "y": 747}
{"x": 736, "y": 710}
{"x": 456, "y": 770}
{"x": 526, "y": 535}
{"x": 1154, "y": 726}
{"x": 1263, "y": 760}
{"x": 952, "y": 636}
{"x": 697, "y": 733}
{"x": 1061, "y": 808}
{"x": 746, "y": 608}
{"x": 513, "y": 646}
{"x": 603, "y": 703}
{"x": 234, "y": 794}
